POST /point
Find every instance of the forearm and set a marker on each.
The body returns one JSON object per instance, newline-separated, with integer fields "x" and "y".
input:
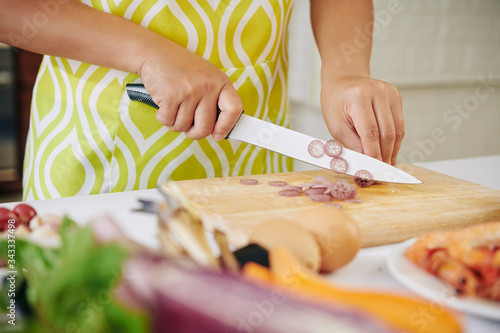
{"x": 342, "y": 29}
{"x": 73, "y": 30}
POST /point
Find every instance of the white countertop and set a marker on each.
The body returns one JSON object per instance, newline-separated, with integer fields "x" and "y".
{"x": 483, "y": 170}
{"x": 368, "y": 269}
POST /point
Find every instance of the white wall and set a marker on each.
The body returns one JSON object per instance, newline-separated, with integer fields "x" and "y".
{"x": 444, "y": 57}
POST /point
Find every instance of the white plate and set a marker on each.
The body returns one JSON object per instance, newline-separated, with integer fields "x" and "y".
{"x": 433, "y": 289}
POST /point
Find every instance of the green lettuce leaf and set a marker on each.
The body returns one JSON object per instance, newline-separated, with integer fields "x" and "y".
{"x": 70, "y": 289}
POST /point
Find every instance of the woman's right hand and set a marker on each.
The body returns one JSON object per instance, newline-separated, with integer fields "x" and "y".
{"x": 188, "y": 88}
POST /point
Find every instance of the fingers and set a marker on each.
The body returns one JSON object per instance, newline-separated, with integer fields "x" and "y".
{"x": 231, "y": 107}
{"x": 346, "y": 134}
{"x": 184, "y": 117}
{"x": 397, "y": 114}
{"x": 379, "y": 123}
{"x": 366, "y": 125}
{"x": 350, "y": 140}
{"x": 167, "y": 113}
{"x": 386, "y": 126}
{"x": 365, "y": 115}
{"x": 204, "y": 119}
{"x": 197, "y": 118}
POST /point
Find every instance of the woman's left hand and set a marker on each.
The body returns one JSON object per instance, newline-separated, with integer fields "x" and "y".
{"x": 365, "y": 115}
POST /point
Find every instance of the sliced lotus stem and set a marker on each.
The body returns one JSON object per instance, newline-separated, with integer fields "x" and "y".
{"x": 229, "y": 262}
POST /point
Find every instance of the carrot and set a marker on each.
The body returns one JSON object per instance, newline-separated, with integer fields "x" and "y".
{"x": 404, "y": 313}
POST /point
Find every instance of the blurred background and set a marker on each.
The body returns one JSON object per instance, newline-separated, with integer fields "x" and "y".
{"x": 18, "y": 71}
{"x": 442, "y": 55}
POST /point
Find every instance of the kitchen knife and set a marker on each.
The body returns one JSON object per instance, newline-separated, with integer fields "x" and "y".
{"x": 293, "y": 144}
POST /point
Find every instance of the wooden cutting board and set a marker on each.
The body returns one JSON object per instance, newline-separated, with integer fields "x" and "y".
{"x": 389, "y": 212}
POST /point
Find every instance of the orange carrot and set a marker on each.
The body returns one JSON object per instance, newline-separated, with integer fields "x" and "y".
{"x": 404, "y": 313}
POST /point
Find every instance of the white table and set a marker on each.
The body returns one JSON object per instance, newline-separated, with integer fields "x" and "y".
{"x": 368, "y": 269}
{"x": 483, "y": 170}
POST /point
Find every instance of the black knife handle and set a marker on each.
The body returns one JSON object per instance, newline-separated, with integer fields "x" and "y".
{"x": 137, "y": 92}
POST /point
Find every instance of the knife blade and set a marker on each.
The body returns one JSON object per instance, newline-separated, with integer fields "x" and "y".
{"x": 293, "y": 144}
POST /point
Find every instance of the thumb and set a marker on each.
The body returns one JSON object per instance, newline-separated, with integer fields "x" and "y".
{"x": 231, "y": 108}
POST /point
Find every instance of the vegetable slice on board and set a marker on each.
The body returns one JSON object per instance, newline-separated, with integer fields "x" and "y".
{"x": 341, "y": 190}
{"x": 310, "y": 191}
{"x": 277, "y": 183}
{"x": 289, "y": 193}
{"x": 320, "y": 197}
{"x": 249, "y": 181}
{"x": 293, "y": 187}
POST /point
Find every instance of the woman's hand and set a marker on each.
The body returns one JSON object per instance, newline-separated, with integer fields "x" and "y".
{"x": 188, "y": 88}
{"x": 365, "y": 115}
{"x": 185, "y": 86}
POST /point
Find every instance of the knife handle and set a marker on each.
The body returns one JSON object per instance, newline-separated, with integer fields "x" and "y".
{"x": 137, "y": 92}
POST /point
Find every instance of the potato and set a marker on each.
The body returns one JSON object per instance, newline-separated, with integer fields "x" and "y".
{"x": 337, "y": 234}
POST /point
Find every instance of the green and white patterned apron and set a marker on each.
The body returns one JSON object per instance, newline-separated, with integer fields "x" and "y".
{"x": 87, "y": 137}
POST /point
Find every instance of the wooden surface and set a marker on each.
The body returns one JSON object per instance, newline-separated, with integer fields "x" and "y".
{"x": 389, "y": 213}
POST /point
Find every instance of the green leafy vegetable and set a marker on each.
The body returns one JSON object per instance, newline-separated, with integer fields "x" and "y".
{"x": 70, "y": 289}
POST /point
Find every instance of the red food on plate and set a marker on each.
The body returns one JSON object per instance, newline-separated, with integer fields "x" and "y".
{"x": 467, "y": 259}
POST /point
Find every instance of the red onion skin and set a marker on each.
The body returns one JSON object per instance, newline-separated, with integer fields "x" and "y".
{"x": 185, "y": 298}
